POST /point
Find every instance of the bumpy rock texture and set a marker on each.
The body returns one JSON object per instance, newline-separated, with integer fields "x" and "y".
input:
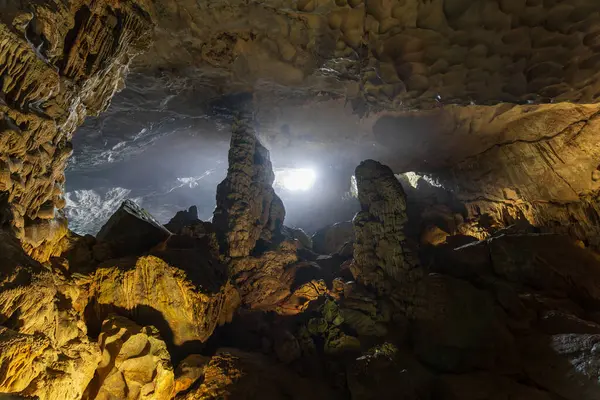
{"x": 389, "y": 53}
{"x": 45, "y": 348}
{"x": 135, "y": 363}
{"x": 381, "y": 250}
{"x": 59, "y": 61}
{"x": 247, "y": 207}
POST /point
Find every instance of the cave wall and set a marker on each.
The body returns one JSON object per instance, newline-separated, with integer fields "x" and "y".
{"x": 59, "y": 62}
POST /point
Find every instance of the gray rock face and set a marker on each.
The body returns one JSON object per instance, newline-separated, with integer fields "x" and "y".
{"x": 132, "y": 230}
{"x": 566, "y": 364}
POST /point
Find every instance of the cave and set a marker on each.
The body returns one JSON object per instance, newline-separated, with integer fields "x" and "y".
{"x": 312, "y": 199}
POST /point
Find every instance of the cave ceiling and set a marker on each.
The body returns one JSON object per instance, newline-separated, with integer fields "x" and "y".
{"x": 495, "y": 98}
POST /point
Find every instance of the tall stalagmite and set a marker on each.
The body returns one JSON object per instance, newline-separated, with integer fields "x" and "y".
{"x": 381, "y": 250}
{"x": 247, "y": 207}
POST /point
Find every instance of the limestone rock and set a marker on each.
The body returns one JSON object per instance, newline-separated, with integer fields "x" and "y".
{"x": 46, "y": 351}
{"x": 25, "y": 358}
{"x": 331, "y": 239}
{"x": 286, "y": 347}
{"x": 60, "y": 61}
{"x": 433, "y": 235}
{"x": 132, "y": 230}
{"x": 135, "y": 363}
{"x": 266, "y": 280}
{"x": 565, "y": 364}
{"x": 182, "y": 219}
{"x": 247, "y": 206}
{"x": 297, "y": 234}
{"x": 235, "y": 374}
{"x": 189, "y": 371}
{"x": 381, "y": 249}
{"x": 551, "y": 263}
{"x": 300, "y": 298}
{"x": 455, "y": 326}
{"x": 182, "y": 295}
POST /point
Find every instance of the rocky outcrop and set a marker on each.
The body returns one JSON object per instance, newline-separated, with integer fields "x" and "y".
{"x": 132, "y": 230}
{"x": 60, "y": 61}
{"x": 45, "y": 348}
{"x": 135, "y": 363}
{"x": 381, "y": 250}
{"x": 236, "y": 374}
{"x": 185, "y": 302}
{"x": 247, "y": 207}
{"x": 182, "y": 219}
{"x": 190, "y": 370}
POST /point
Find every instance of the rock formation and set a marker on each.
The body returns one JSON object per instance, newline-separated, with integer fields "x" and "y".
{"x": 235, "y": 374}
{"x": 381, "y": 250}
{"x": 247, "y": 207}
{"x": 135, "y": 363}
{"x": 60, "y": 62}
{"x": 132, "y": 230}
{"x": 45, "y": 349}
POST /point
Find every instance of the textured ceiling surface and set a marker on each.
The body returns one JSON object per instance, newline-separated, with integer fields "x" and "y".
{"x": 481, "y": 94}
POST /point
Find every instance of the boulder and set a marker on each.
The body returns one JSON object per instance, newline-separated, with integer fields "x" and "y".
{"x": 189, "y": 370}
{"x": 332, "y": 238}
{"x": 182, "y": 219}
{"x": 299, "y": 235}
{"x": 566, "y": 364}
{"x": 184, "y": 293}
{"x": 235, "y": 374}
{"x": 132, "y": 230}
{"x": 135, "y": 363}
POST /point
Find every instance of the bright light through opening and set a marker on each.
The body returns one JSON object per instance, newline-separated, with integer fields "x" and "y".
{"x": 295, "y": 179}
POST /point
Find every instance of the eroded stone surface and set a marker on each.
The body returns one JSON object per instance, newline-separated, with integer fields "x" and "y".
{"x": 236, "y": 374}
{"x": 185, "y": 302}
{"x": 381, "y": 250}
{"x": 60, "y": 61}
{"x": 135, "y": 363}
{"x": 247, "y": 207}
{"x": 45, "y": 348}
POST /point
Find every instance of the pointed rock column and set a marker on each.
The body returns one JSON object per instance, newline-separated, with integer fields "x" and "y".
{"x": 247, "y": 207}
{"x": 380, "y": 250}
